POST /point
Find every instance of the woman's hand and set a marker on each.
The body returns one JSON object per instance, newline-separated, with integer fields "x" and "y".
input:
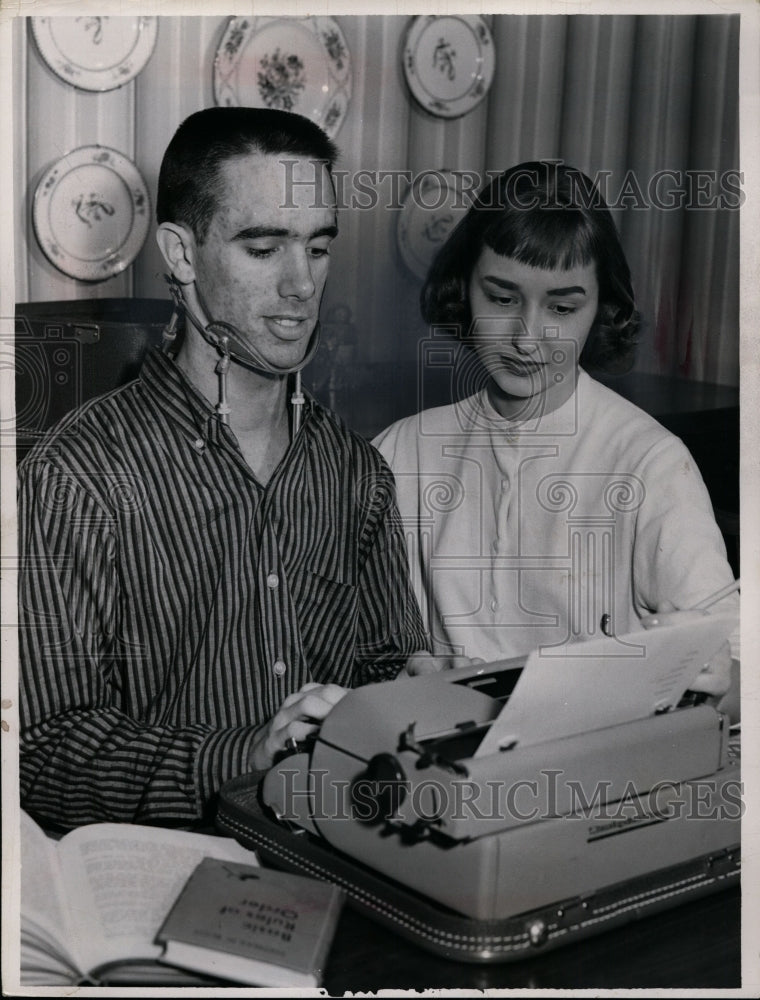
{"x": 715, "y": 677}
{"x": 422, "y": 662}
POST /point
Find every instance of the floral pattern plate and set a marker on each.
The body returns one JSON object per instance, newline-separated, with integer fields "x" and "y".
{"x": 433, "y": 205}
{"x": 91, "y": 213}
{"x": 449, "y": 63}
{"x": 290, "y": 63}
{"x": 95, "y": 53}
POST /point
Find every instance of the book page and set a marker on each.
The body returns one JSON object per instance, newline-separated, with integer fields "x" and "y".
{"x": 583, "y": 686}
{"x": 123, "y": 879}
{"x": 45, "y": 916}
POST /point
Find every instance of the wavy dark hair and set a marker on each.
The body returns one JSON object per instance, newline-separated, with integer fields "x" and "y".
{"x": 189, "y": 175}
{"x": 549, "y": 215}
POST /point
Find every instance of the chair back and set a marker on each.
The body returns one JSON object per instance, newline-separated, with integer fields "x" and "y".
{"x": 71, "y": 351}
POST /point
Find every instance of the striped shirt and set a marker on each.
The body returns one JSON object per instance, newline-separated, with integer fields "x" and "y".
{"x": 169, "y": 602}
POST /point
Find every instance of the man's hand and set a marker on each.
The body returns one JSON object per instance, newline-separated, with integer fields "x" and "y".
{"x": 299, "y": 716}
{"x": 715, "y": 677}
{"x": 422, "y": 662}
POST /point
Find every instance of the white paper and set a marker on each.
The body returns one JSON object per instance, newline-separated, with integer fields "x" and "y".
{"x": 583, "y": 686}
{"x": 46, "y": 919}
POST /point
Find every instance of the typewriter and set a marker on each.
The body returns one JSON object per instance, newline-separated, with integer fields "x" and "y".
{"x": 523, "y": 836}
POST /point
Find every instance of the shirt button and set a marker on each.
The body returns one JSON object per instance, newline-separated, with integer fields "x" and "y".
{"x": 198, "y": 444}
{"x": 494, "y": 604}
{"x": 273, "y": 581}
{"x": 279, "y": 667}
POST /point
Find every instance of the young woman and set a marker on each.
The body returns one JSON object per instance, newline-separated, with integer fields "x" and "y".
{"x": 543, "y": 508}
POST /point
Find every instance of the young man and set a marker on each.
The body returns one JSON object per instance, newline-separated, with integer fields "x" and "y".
{"x": 206, "y": 565}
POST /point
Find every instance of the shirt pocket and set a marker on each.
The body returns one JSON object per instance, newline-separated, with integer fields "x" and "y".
{"x": 327, "y": 606}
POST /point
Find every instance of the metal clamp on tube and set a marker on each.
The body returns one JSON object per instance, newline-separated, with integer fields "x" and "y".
{"x": 296, "y": 401}
{"x": 222, "y": 367}
{"x": 228, "y": 341}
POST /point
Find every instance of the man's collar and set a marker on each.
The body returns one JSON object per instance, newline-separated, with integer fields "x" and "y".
{"x": 176, "y": 398}
{"x": 175, "y": 395}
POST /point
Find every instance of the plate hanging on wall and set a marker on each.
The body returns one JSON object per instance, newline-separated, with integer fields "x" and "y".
{"x": 449, "y": 63}
{"x": 288, "y": 63}
{"x": 432, "y": 207}
{"x": 95, "y": 53}
{"x": 91, "y": 213}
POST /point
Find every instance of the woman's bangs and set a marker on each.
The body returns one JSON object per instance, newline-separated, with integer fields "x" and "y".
{"x": 555, "y": 238}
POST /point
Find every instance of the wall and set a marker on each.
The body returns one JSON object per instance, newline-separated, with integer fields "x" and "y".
{"x": 632, "y": 95}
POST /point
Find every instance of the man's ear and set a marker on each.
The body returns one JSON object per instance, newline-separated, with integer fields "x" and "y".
{"x": 177, "y": 246}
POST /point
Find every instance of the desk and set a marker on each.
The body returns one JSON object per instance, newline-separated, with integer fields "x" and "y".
{"x": 694, "y": 945}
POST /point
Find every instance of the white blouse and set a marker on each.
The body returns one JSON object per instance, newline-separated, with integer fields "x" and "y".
{"x": 539, "y": 533}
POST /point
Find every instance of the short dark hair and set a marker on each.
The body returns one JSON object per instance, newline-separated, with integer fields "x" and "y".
{"x": 190, "y": 168}
{"x": 544, "y": 214}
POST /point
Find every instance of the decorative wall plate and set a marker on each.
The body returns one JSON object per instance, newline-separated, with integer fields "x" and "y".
{"x": 432, "y": 207}
{"x": 92, "y": 213}
{"x": 449, "y": 63}
{"x": 290, "y": 63}
{"x": 95, "y": 53}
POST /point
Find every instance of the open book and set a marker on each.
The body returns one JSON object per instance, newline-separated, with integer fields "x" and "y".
{"x": 92, "y": 902}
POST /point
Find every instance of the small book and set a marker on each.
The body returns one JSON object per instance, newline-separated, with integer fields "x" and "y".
{"x": 251, "y": 925}
{"x": 92, "y": 902}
